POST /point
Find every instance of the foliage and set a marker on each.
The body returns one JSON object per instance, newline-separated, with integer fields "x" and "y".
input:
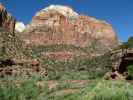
{"x": 78, "y": 68}
{"x": 36, "y": 50}
{"x": 130, "y": 70}
{"x": 94, "y": 90}
{"x": 111, "y": 90}
{"x": 28, "y": 90}
{"x": 128, "y": 44}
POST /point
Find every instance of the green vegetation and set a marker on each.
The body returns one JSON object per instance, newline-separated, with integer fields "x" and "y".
{"x": 93, "y": 90}
{"x": 78, "y": 68}
{"x": 128, "y": 44}
{"x": 130, "y": 70}
{"x": 90, "y": 71}
{"x": 111, "y": 90}
{"x": 36, "y": 50}
{"x": 27, "y": 91}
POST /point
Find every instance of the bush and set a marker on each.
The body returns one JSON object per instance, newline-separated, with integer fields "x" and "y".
{"x": 111, "y": 90}
{"x": 128, "y": 44}
{"x": 28, "y": 90}
{"x": 130, "y": 70}
{"x": 78, "y": 68}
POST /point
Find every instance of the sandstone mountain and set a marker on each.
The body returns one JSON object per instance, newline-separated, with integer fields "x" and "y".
{"x": 59, "y": 32}
{"x": 60, "y": 25}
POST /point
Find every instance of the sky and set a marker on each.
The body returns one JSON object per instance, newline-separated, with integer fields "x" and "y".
{"x": 119, "y": 13}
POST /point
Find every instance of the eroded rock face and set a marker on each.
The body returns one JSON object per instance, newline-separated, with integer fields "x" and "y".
{"x": 11, "y": 44}
{"x": 52, "y": 26}
{"x": 25, "y": 68}
{"x": 6, "y": 20}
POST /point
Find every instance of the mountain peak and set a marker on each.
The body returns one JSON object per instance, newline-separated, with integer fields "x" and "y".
{"x": 64, "y": 10}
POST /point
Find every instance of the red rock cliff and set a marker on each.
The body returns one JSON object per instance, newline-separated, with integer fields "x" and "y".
{"x": 61, "y": 25}
{"x": 6, "y": 20}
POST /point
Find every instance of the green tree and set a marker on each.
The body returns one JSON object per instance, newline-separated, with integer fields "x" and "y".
{"x": 129, "y": 43}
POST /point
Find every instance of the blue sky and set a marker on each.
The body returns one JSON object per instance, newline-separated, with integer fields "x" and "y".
{"x": 119, "y": 13}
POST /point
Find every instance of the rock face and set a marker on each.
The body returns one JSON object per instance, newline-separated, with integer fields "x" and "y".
{"x": 6, "y": 20}
{"x": 61, "y": 25}
{"x": 11, "y": 45}
{"x": 15, "y": 60}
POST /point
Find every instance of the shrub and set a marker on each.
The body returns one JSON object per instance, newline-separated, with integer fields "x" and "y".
{"x": 28, "y": 90}
{"x": 111, "y": 90}
{"x": 78, "y": 68}
{"x": 130, "y": 70}
{"x": 128, "y": 44}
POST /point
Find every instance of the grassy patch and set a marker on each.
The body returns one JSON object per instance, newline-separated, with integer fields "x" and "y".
{"x": 111, "y": 90}
{"x": 94, "y": 90}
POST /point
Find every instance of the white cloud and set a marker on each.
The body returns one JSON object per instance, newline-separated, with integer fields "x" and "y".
{"x": 19, "y": 27}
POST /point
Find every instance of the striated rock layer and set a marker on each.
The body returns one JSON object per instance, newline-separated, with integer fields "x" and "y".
{"x": 61, "y": 25}
{"x": 6, "y": 20}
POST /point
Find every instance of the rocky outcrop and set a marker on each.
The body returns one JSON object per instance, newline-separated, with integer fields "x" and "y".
{"x": 61, "y": 25}
{"x": 15, "y": 59}
{"x": 6, "y": 20}
{"x": 25, "y": 68}
{"x": 11, "y": 44}
{"x": 58, "y": 55}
